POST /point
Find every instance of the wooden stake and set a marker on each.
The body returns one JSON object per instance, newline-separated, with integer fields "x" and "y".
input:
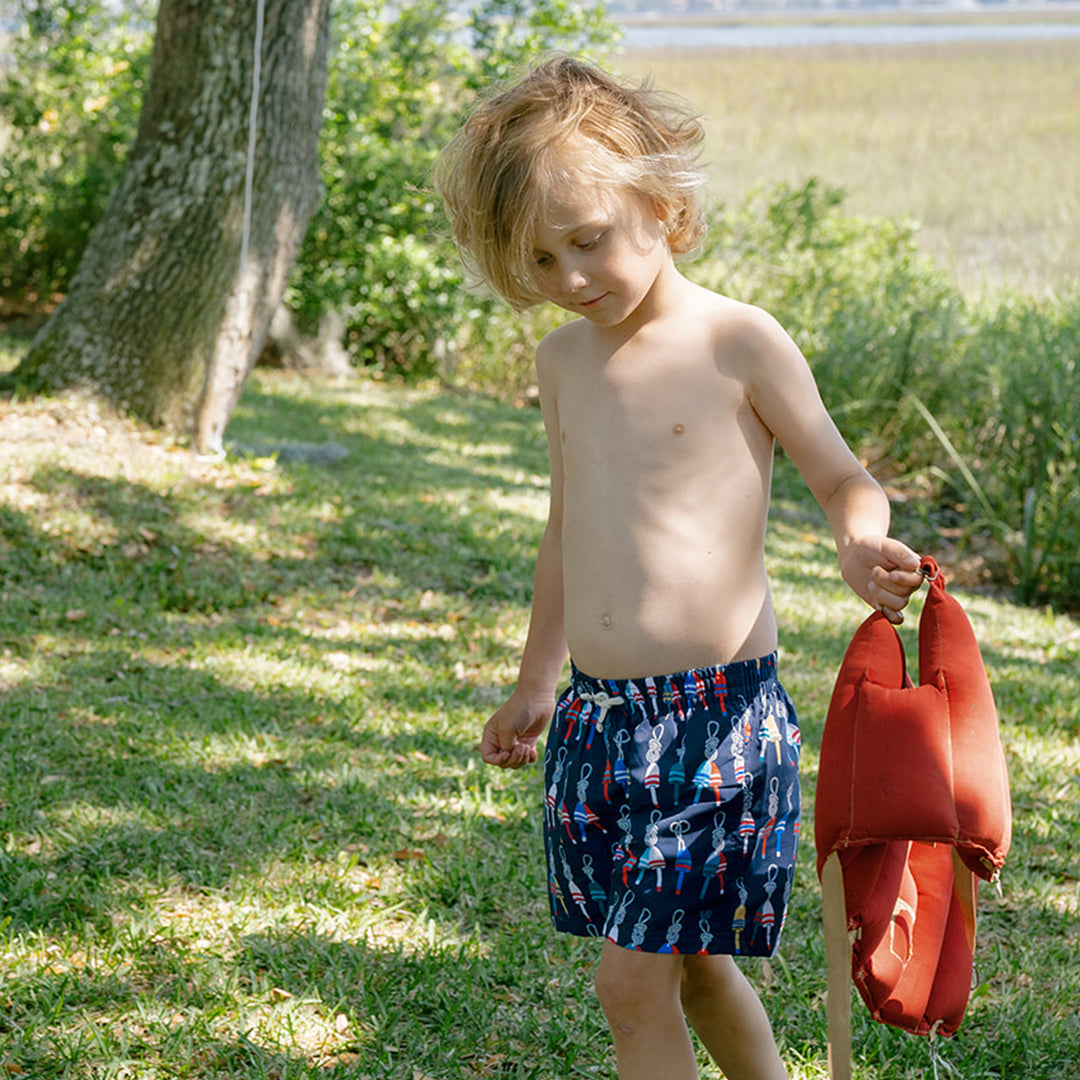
{"x": 838, "y": 959}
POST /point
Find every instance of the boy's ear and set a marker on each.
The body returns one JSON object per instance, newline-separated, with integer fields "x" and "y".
{"x": 662, "y": 214}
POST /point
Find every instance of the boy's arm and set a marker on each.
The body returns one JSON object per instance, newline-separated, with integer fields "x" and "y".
{"x": 509, "y": 738}
{"x": 880, "y": 569}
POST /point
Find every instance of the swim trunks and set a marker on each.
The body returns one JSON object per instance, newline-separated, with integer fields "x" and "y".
{"x": 671, "y": 809}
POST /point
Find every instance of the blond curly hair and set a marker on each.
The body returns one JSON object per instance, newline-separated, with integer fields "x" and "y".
{"x": 567, "y": 121}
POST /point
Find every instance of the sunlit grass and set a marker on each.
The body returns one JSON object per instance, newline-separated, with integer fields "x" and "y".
{"x": 243, "y": 829}
{"x": 977, "y": 142}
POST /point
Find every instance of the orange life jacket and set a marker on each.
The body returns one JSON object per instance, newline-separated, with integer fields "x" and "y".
{"x": 912, "y": 805}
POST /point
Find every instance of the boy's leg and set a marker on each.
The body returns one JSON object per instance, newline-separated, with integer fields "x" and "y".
{"x": 640, "y": 996}
{"x": 728, "y": 1016}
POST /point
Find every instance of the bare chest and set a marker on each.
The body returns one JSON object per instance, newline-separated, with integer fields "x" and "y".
{"x": 675, "y": 427}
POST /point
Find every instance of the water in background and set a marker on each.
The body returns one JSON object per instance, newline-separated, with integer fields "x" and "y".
{"x": 675, "y": 35}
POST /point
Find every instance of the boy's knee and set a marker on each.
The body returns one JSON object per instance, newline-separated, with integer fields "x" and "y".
{"x": 633, "y": 993}
{"x": 705, "y": 980}
{"x": 621, "y": 999}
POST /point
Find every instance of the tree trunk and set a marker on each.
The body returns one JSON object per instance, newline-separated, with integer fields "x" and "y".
{"x": 161, "y": 317}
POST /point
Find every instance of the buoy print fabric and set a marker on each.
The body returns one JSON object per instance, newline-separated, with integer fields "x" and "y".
{"x": 672, "y": 809}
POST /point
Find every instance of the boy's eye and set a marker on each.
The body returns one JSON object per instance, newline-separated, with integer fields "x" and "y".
{"x": 591, "y": 242}
{"x": 543, "y": 260}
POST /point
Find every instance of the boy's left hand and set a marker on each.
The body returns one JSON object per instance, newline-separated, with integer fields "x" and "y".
{"x": 884, "y": 572}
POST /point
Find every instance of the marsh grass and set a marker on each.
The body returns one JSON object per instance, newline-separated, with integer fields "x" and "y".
{"x": 244, "y": 833}
{"x": 975, "y": 142}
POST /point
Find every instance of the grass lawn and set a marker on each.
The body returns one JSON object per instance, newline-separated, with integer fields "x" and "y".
{"x": 244, "y": 833}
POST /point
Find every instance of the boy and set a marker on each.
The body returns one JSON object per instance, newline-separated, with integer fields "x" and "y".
{"x": 671, "y": 814}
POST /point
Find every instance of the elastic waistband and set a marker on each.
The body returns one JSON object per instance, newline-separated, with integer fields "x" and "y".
{"x": 661, "y": 694}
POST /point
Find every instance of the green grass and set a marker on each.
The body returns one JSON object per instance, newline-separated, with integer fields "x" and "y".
{"x": 976, "y": 142}
{"x": 244, "y": 833}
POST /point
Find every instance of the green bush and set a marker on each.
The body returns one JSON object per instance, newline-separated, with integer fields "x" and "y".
{"x": 401, "y": 77}
{"x": 69, "y": 104}
{"x": 875, "y": 319}
{"x": 372, "y": 251}
{"x": 496, "y": 347}
{"x": 1023, "y": 446}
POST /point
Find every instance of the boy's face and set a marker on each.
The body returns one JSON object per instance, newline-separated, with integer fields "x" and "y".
{"x": 599, "y": 253}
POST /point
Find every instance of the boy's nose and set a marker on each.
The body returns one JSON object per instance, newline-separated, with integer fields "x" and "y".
{"x": 575, "y": 280}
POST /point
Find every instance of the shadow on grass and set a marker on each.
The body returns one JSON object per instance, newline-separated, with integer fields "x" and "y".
{"x": 446, "y": 1012}
{"x": 128, "y": 757}
{"x": 104, "y": 802}
{"x": 321, "y": 1007}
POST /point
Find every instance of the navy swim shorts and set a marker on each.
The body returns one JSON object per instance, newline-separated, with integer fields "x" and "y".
{"x": 671, "y": 809}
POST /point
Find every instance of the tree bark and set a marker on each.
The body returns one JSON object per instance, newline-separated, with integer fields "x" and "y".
{"x": 161, "y": 318}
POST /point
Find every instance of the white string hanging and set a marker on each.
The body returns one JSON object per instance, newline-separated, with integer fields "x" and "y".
{"x": 253, "y": 115}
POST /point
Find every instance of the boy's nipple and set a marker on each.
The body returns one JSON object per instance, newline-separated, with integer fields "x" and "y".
{"x": 679, "y": 429}
{"x": 605, "y": 621}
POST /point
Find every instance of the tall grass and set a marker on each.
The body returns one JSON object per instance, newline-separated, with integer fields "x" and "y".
{"x": 975, "y": 142}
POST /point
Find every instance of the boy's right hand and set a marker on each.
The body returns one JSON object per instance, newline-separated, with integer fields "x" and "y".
{"x": 510, "y": 736}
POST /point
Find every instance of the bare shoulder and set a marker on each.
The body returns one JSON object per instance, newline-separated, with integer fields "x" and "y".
{"x": 744, "y": 326}
{"x": 750, "y": 342}
{"x": 553, "y": 357}
{"x": 564, "y": 340}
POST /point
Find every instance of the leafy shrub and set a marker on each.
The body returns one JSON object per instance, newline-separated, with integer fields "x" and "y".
{"x": 496, "y": 347}
{"x": 400, "y": 78}
{"x": 975, "y": 410}
{"x": 371, "y": 251}
{"x": 875, "y": 319}
{"x": 1023, "y": 445}
{"x": 69, "y": 104}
